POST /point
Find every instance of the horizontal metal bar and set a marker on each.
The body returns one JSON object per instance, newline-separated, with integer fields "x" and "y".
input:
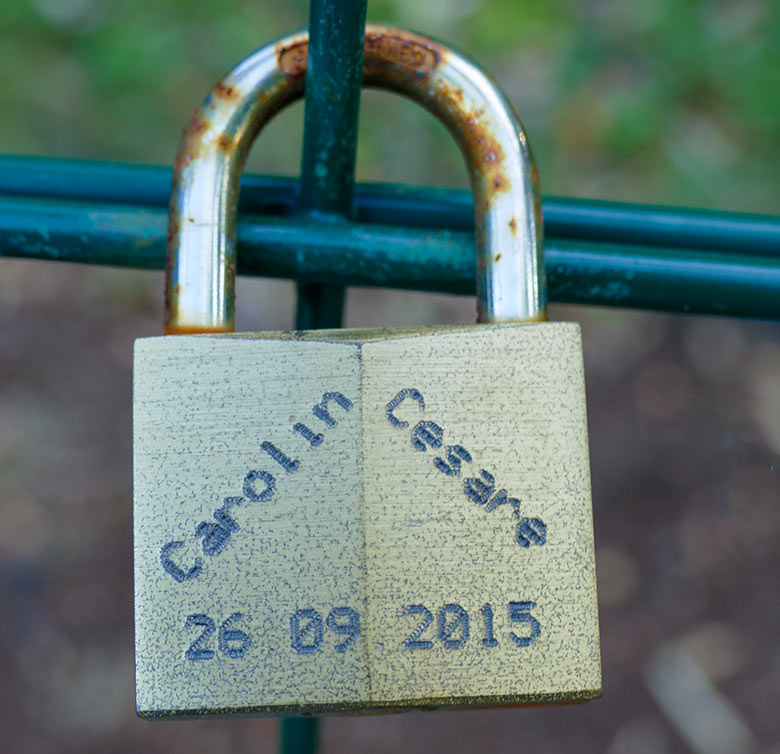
{"x": 376, "y": 255}
{"x": 575, "y": 219}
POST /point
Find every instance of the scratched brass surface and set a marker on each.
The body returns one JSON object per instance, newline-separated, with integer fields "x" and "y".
{"x": 367, "y": 575}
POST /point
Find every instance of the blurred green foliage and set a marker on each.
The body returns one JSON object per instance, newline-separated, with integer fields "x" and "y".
{"x": 669, "y": 101}
{"x": 664, "y": 101}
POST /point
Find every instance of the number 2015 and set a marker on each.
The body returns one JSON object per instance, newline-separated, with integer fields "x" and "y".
{"x": 453, "y": 625}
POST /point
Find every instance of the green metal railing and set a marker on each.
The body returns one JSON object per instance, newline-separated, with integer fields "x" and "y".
{"x": 327, "y": 233}
{"x": 598, "y": 253}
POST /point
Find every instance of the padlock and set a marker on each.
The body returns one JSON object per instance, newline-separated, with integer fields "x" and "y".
{"x": 361, "y": 520}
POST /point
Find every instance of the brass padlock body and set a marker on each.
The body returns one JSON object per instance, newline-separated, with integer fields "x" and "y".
{"x": 363, "y": 521}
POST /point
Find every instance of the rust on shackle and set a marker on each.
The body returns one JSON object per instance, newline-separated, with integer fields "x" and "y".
{"x": 201, "y": 249}
{"x": 402, "y": 61}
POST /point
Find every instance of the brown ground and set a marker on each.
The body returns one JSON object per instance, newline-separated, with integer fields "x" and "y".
{"x": 685, "y": 430}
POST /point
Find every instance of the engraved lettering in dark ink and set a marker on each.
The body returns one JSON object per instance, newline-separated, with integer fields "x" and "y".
{"x": 280, "y": 457}
{"x": 455, "y": 455}
{"x": 501, "y": 498}
{"x": 306, "y": 631}
{"x": 531, "y": 531}
{"x": 477, "y": 490}
{"x": 174, "y": 570}
{"x": 216, "y": 536}
{"x": 350, "y": 627}
{"x": 249, "y": 486}
{"x": 520, "y": 612}
{"x": 426, "y": 432}
{"x": 321, "y": 410}
{"x": 229, "y": 635}
{"x": 313, "y": 438}
{"x": 481, "y": 489}
{"x": 447, "y": 630}
{"x": 197, "y": 650}
{"x": 407, "y": 392}
{"x": 258, "y": 486}
{"x": 226, "y": 640}
{"x": 487, "y": 616}
{"x": 413, "y": 641}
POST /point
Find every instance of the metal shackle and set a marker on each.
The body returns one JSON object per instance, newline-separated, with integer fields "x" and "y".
{"x": 201, "y": 260}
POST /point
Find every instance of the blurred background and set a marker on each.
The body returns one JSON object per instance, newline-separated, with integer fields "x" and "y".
{"x": 670, "y": 102}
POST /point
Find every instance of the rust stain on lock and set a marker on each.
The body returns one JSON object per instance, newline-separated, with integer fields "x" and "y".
{"x": 416, "y": 66}
{"x": 293, "y": 59}
{"x": 225, "y": 91}
{"x": 192, "y": 330}
{"x": 391, "y": 47}
{"x": 403, "y": 49}
{"x": 173, "y": 230}
{"x": 484, "y": 154}
{"x": 407, "y": 63}
{"x": 191, "y": 143}
{"x": 401, "y": 61}
{"x": 451, "y": 94}
{"x": 171, "y": 303}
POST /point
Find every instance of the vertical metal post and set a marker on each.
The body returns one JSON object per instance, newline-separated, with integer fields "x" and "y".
{"x": 299, "y": 735}
{"x": 333, "y": 82}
